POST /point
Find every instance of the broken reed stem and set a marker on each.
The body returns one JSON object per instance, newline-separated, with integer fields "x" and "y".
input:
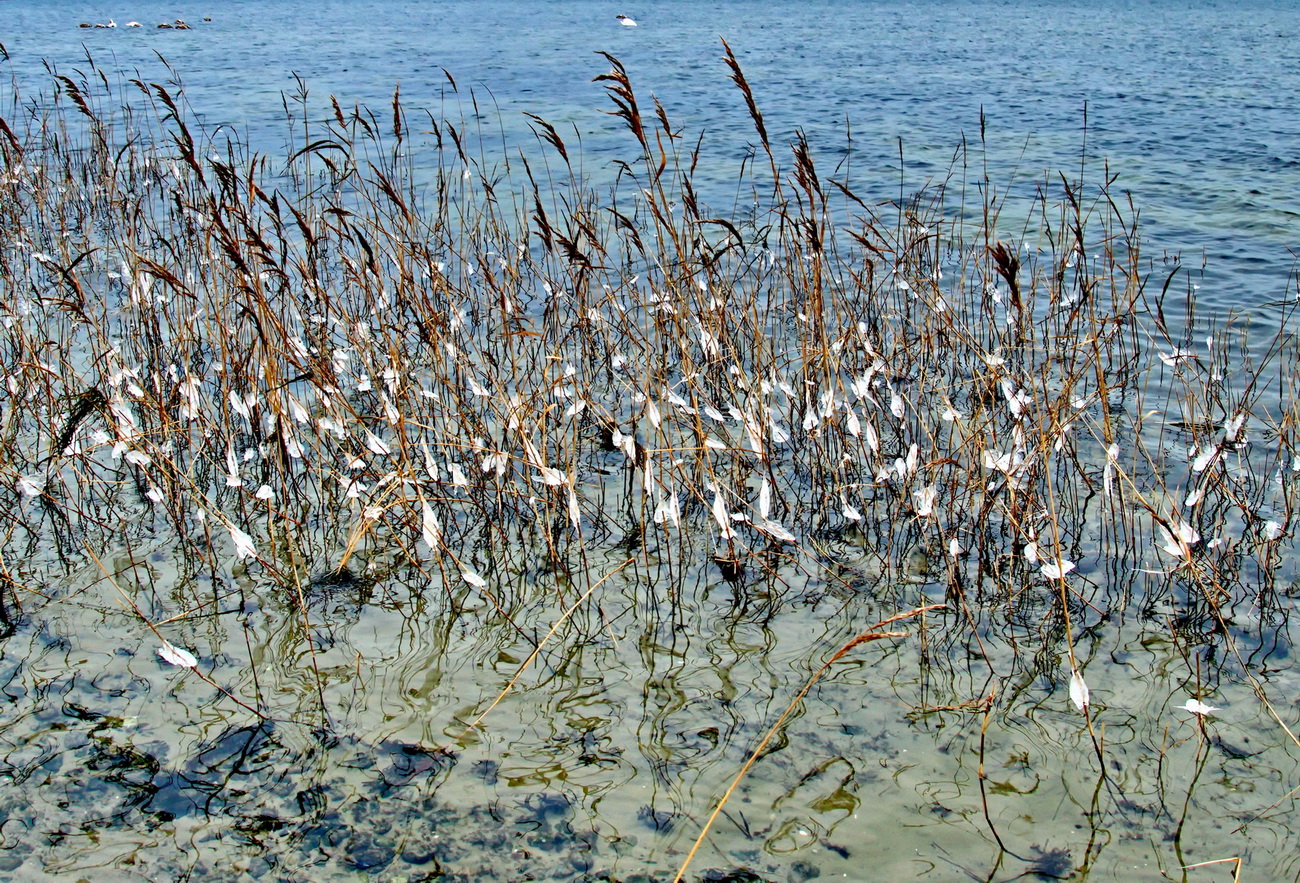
{"x": 540, "y": 645}
{"x": 872, "y": 634}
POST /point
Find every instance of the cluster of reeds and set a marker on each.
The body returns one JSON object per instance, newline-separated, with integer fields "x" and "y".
{"x": 393, "y": 348}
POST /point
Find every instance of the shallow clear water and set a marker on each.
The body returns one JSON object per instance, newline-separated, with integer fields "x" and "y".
{"x": 605, "y": 759}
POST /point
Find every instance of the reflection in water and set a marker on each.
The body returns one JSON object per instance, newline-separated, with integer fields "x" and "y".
{"x": 607, "y": 752}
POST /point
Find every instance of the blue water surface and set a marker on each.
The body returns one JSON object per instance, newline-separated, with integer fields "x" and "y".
{"x": 1191, "y": 104}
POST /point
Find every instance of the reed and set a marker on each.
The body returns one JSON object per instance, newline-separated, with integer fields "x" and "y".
{"x": 391, "y": 351}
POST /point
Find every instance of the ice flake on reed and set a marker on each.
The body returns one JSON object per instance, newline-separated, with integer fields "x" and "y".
{"x": 851, "y": 422}
{"x": 473, "y": 578}
{"x": 1178, "y": 538}
{"x": 848, "y": 511}
{"x": 496, "y": 461}
{"x": 764, "y": 523}
{"x": 905, "y": 467}
{"x": 127, "y": 428}
{"x": 295, "y": 409}
{"x": 996, "y": 461}
{"x": 1018, "y": 401}
{"x": 1197, "y": 707}
{"x": 430, "y": 530}
{"x": 827, "y": 405}
{"x": 678, "y": 402}
{"x": 1232, "y": 429}
{"x": 1079, "y": 694}
{"x": 625, "y": 444}
{"x": 31, "y": 485}
{"x": 924, "y": 499}
{"x": 391, "y": 414}
{"x": 457, "y": 474}
{"x": 861, "y": 387}
{"x": 710, "y": 346}
{"x": 720, "y": 515}
{"x": 1059, "y": 444}
{"x": 332, "y": 427}
{"x": 243, "y": 543}
{"x": 549, "y": 476}
{"x": 243, "y": 405}
{"x": 376, "y": 445}
{"x": 1172, "y": 359}
{"x": 667, "y": 508}
{"x": 430, "y": 464}
{"x": 1108, "y": 474}
{"x": 1056, "y": 569}
{"x": 897, "y": 407}
{"x": 575, "y": 513}
{"x": 776, "y": 431}
{"x": 292, "y": 447}
{"x": 873, "y": 440}
{"x": 137, "y": 458}
{"x": 1272, "y": 530}
{"x": 177, "y": 656}
{"x": 190, "y": 406}
{"x": 265, "y": 493}
{"x": 1204, "y": 459}
{"x": 753, "y": 432}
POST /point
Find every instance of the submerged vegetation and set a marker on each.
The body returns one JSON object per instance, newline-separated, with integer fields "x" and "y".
{"x": 393, "y": 378}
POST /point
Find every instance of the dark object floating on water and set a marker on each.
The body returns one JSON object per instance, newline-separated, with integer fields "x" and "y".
{"x": 178, "y": 25}
{"x": 732, "y": 569}
{"x": 740, "y": 875}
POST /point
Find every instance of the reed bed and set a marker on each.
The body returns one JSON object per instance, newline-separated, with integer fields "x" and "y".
{"x": 393, "y": 351}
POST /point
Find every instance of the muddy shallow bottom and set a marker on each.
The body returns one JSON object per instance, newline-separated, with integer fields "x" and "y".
{"x": 608, "y": 755}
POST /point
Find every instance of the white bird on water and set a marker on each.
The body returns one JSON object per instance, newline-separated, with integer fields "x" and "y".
{"x": 625, "y": 21}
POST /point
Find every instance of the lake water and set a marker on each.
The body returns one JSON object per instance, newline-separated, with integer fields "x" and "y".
{"x": 1192, "y": 104}
{"x": 603, "y": 762}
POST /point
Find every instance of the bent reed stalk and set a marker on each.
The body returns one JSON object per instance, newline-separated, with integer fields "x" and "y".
{"x": 387, "y": 347}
